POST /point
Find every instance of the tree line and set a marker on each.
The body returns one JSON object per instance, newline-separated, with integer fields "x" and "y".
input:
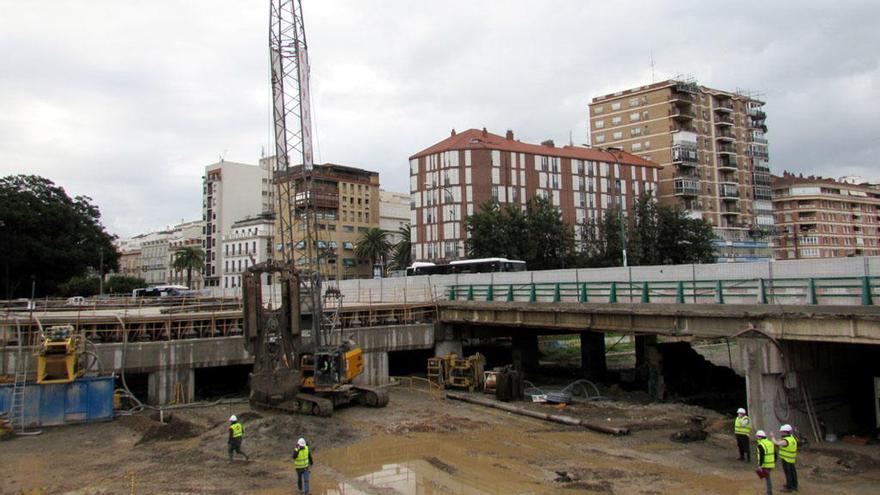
{"x": 655, "y": 235}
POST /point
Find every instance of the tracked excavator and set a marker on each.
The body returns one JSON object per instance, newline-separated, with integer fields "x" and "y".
{"x": 301, "y": 364}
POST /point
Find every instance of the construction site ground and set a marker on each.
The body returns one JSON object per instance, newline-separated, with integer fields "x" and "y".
{"x": 418, "y": 444}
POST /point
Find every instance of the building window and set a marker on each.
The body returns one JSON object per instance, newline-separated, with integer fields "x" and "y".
{"x": 634, "y": 102}
{"x": 600, "y": 124}
{"x": 598, "y": 109}
{"x": 600, "y": 138}
{"x": 617, "y": 135}
{"x": 637, "y": 146}
{"x": 634, "y": 117}
{"x": 615, "y": 106}
{"x": 616, "y": 120}
{"x": 635, "y": 131}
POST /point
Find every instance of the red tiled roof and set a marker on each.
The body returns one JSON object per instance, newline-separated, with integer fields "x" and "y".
{"x": 477, "y": 139}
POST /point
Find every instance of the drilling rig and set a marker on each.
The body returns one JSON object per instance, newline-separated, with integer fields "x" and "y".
{"x": 292, "y": 371}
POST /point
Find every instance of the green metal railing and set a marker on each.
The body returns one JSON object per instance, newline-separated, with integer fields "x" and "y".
{"x": 817, "y": 290}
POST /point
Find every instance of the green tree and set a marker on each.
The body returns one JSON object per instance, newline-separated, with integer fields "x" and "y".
{"x": 80, "y": 285}
{"x": 537, "y": 235}
{"x": 121, "y": 284}
{"x": 643, "y": 234}
{"x": 612, "y": 240}
{"x": 189, "y": 258}
{"x": 590, "y": 243}
{"x": 373, "y": 245}
{"x": 682, "y": 239}
{"x": 48, "y": 237}
{"x": 401, "y": 256}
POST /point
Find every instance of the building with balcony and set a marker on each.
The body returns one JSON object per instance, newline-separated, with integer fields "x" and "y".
{"x": 231, "y": 191}
{"x": 819, "y": 217}
{"x": 248, "y": 242}
{"x": 346, "y": 203}
{"x": 185, "y": 235}
{"x": 712, "y": 147}
{"x": 393, "y": 213}
{"x": 452, "y": 179}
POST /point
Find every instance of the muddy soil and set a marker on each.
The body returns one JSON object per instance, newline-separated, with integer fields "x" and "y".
{"x": 418, "y": 444}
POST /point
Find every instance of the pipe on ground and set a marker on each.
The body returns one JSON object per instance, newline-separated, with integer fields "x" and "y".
{"x": 556, "y": 418}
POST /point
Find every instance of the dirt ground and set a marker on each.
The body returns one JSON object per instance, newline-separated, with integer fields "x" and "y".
{"x": 419, "y": 444}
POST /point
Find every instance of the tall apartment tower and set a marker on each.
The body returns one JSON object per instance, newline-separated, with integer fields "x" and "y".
{"x": 713, "y": 150}
{"x": 231, "y": 191}
{"x": 819, "y": 217}
{"x": 346, "y": 200}
{"x": 452, "y": 179}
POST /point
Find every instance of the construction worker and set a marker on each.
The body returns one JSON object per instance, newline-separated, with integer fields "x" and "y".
{"x": 766, "y": 457}
{"x": 787, "y": 454}
{"x": 302, "y": 461}
{"x": 235, "y": 436}
{"x": 742, "y": 429}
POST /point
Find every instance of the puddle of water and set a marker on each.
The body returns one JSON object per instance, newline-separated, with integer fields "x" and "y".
{"x": 418, "y": 476}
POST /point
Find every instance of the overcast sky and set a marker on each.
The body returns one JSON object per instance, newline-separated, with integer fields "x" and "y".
{"x": 127, "y": 101}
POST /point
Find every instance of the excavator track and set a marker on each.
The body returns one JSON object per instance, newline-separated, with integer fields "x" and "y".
{"x": 306, "y": 404}
{"x": 373, "y": 396}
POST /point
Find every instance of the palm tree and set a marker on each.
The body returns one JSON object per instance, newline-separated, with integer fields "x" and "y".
{"x": 189, "y": 258}
{"x": 373, "y": 245}
{"x": 402, "y": 256}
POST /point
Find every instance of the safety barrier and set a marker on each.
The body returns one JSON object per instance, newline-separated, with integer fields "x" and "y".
{"x": 805, "y": 291}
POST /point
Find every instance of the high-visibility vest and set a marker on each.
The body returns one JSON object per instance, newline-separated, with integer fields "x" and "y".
{"x": 769, "y": 460}
{"x": 742, "y": 426}
{"x": 302, "y": 458}
{"x": 789, "y": 452}
{"x": 236, "y": 430}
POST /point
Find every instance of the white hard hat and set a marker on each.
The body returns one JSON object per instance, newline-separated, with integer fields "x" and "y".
{"x": 760, "y": 434}
{"x": 785, "y": 428}
{"x": 301, "y": 442}
{"x": 740, "y": 411}
{"x": 233, "y": 418}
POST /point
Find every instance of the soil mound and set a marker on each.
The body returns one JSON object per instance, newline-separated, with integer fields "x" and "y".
{"x": 443, "y": 424}
{"x": 175, "y": 429}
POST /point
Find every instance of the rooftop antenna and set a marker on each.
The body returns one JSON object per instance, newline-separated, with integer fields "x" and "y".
{"x": 652, "y": 66}
{"x": 570, "y": 138}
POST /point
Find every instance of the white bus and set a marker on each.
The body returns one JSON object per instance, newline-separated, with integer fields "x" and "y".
{"x": 480, "y": 265}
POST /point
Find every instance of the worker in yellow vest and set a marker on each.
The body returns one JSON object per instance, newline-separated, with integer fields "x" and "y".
{"x": 742, "y": 429}
{"x": 302, "y": 461}
{"x": 787, "y": 455}
{"x": 766, "y": 458}
{"x": 236, "y": 433}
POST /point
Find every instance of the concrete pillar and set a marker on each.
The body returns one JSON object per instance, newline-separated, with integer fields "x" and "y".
{"x": 444, "y": 347}
{"x": 375, "y": 369}
{"x": 642, "y": 343}
{"x": 171, "y": 385}
{"x": 525, "y": 352}
{"x": 763, "y": 367}
{"x": 446, "y": 340}
{"x": 593, "y": 355}
{"x": 654, "y": 364}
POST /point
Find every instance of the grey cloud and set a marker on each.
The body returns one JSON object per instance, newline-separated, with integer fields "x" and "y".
{"x": 127, "y": 103}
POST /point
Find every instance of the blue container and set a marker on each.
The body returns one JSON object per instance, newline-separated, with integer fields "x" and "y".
{"x": 83, "y": 400}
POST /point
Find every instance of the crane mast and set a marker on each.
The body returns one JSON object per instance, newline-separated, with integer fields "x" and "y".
{"x": 293, "y": 141}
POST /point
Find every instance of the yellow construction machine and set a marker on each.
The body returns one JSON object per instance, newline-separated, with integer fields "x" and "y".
{"x": 451, "y": 371}
{"x": 60, "y": 355}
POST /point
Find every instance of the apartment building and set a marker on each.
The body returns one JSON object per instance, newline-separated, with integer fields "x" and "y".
{"x": 713, "y": 150}
{"x": 249, "y": 241}
{"x": 231, "y": 191}
{"x": 185, "y": 235}
{"x": 155, "y": 264}
{"x": 453, "y": 178}
{"x": 346, "y": 202}
{"x": 130, "y": 256}
{"x": 819, "y": 217}
{"x": 393, "y": 213}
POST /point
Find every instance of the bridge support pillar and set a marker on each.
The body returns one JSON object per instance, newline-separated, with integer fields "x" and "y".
{"x": 763, "y": 367}
{"x": 643, "y": 342}
{"x": 447, "y": 340}
{"x": 171, "y": 385}
{"x": 375, "y": 369}
{"x": 593, "y": 355}
{"x": 525, "y": 352}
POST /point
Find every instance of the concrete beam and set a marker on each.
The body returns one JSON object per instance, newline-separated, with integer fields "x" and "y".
{"x": 843, "y": 324}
